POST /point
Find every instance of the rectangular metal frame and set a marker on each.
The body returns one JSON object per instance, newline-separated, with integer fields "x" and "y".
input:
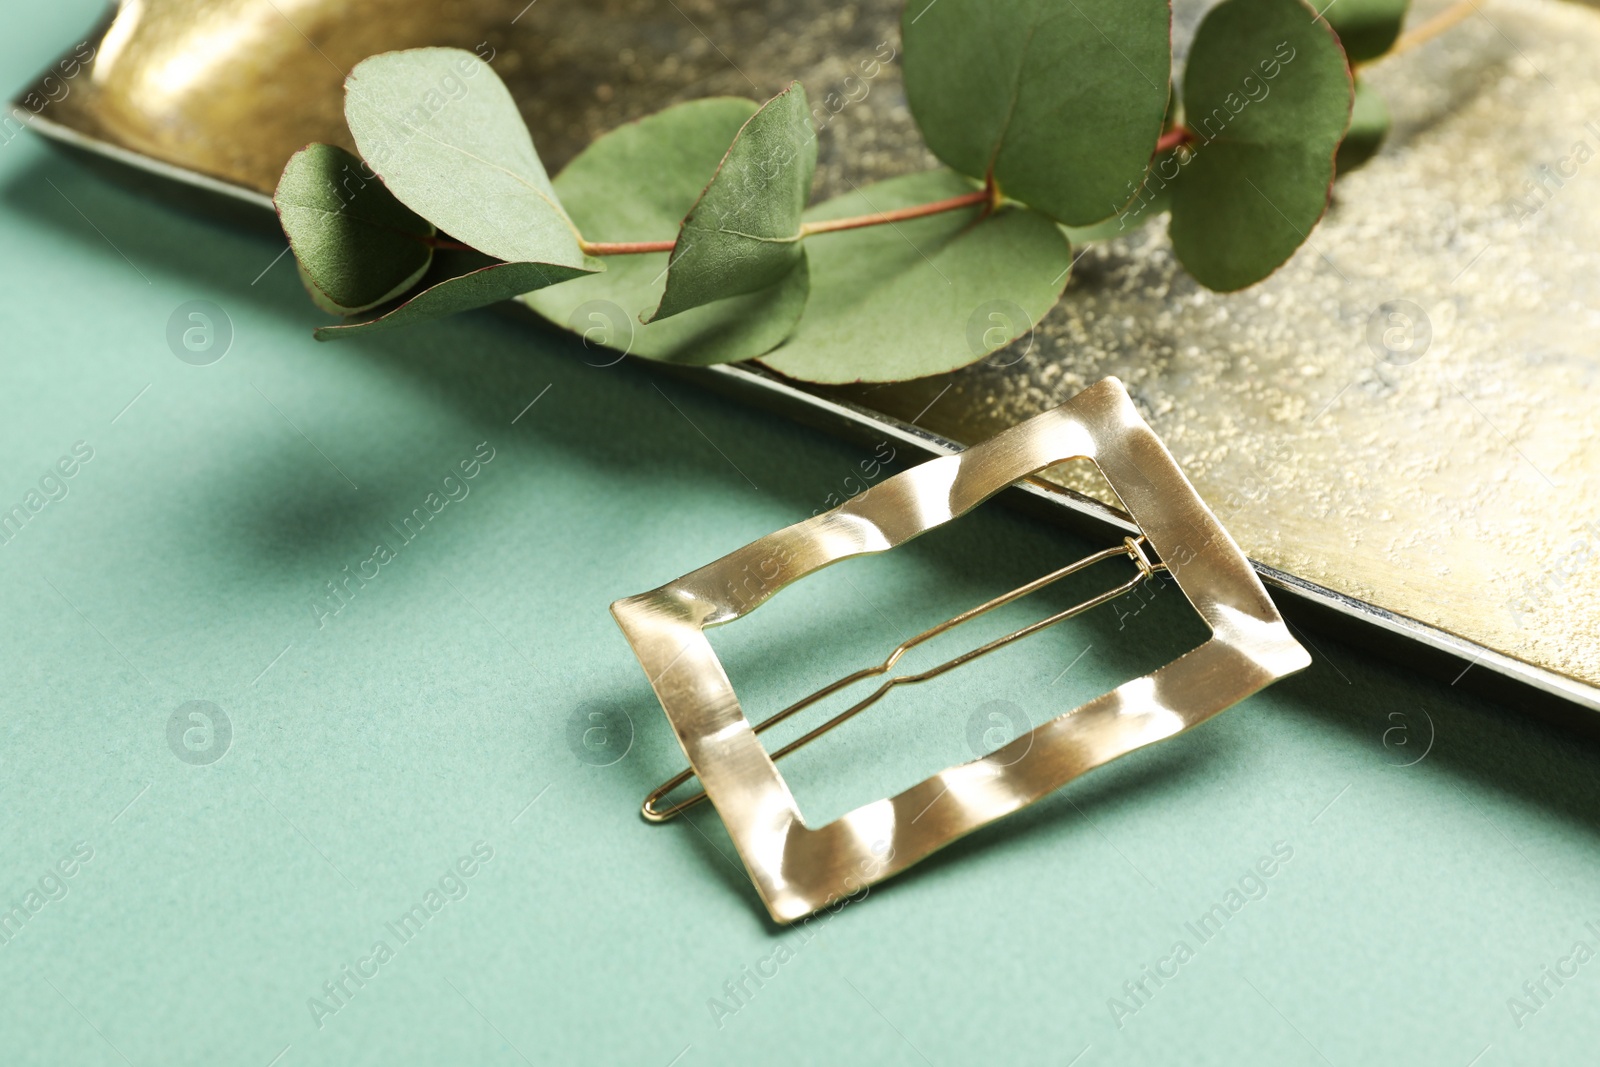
{"x": 798, "y": 869}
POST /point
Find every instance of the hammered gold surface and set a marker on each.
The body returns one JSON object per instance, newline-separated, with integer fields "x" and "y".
{"x": 799, "y": 868}
{"x": 1454, "y": 484}
{"x": 1456, "y": 479}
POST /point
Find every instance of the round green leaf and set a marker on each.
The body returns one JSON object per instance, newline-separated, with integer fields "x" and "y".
{"x": 743, "y": 234}
{"x": 1369, "y": 125}
{"x": 474, "y": 289}
{"x": 356, "y": 245}
{"x": 1366, "y": 28}
{"x": 636, "y": 183}
{"x": 441, "y": 129}
{"x": 1153, "y": 198}
{"x": 924, "y": 296}
{"x": 1061, "y": 99}
{"x": 1266, "y": 99}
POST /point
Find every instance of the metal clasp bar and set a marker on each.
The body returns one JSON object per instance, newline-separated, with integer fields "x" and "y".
{"x": 1132, "y": 548}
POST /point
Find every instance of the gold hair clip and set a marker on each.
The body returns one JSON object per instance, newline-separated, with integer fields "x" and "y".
{"x": 798, "y": 869}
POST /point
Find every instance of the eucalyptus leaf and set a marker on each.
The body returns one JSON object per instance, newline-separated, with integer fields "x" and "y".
{"x": 923, "y": 296}
{"x": 1366, "y": 28}
{"x": 636, "y": 183}
{"x": 321, "y": 299}
{"x": 1153, "y": 198}
{"x": 477, "y": 288}
{"x": 1267, "y": 96}
{"x": 441, "y": 129}
{"x": 1369, "y": 125}
{"x": 356, "y": 245}
{"x": 1061, "y": 100}
{"x": 743, "y": 234}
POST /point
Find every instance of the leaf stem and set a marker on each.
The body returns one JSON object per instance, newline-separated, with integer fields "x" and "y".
{"x": 624, "y": 248}
{"x": 1428, "y": 30}
{"x": 976, "y": 198}
{"x": 1174, "y": 138}
{"x": 988, "y": 196}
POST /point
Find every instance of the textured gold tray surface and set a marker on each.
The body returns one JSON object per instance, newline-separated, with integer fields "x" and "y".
{"x": 1453, "y": 480}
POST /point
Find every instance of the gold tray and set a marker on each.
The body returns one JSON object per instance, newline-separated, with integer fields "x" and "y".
{"x": 1436, "y": 505}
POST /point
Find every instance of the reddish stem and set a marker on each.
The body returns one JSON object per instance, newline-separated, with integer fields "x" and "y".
{"x": 976, "y": 198}
{"x": 1174, "y": 138}
{"x": 988, "y": 196}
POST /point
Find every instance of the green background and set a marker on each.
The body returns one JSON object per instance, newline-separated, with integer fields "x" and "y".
{"x": 369, "y": 753}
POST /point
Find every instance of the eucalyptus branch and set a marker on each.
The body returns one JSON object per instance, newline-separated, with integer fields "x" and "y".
{"x": 1263, "y": 81}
